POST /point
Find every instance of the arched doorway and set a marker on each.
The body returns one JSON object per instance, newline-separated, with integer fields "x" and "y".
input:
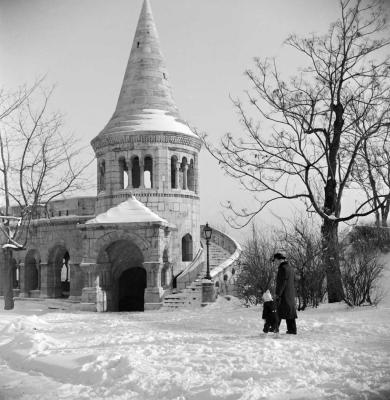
{"x": 132, "y": 284}
{"x": 129, "y": 276}
{"x": 58, "y": 272}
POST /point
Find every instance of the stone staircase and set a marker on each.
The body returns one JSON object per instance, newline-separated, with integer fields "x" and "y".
{"x": 191, "y": 296}
{"x": 217, "y": 254}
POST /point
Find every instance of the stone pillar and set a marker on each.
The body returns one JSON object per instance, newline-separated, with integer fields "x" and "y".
{"x": 196, "y": 175}
{"x": 76, "y": 281}
{"x": 185, "y": 171}
{"x": 208, "y": 293}
{"x": 104, "y": 294}
{"x": 44, "y": 281}
{"x": 177, "y": 178}
{"x": 89, "y": 292}
{"x": 141, "y": 175}
{"x": 22, "y": 280}
{"x": 153, "y": 291}
{"x": 129, "y": 174}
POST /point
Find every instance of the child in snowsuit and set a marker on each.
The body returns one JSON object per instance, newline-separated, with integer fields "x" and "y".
{"x": 270, "y": 314}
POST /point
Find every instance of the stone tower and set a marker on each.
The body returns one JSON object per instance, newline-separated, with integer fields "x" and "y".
{"x": 147, "y": 151}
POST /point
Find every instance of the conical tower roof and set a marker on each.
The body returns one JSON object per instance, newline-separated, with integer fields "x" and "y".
{"x": 145, "y": 101}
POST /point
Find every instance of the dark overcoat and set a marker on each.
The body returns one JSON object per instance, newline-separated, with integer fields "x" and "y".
{"x": 285, "y": 291}
{"x": 270, "y": 311}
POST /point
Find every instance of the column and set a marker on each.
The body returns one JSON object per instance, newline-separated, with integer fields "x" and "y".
{"x": 22, "y": 280}
{"x": 76, "y": 281}
{"x": 153, "y": 291}
{"x": 129, "y": 174}
{"x": 177, "y": 179}
{"x": 185, "y": 170}
{"x": 89, "y": 292}
{"x": 141, "y": 174}
{"x": 45, "y": 285}
{"x": 104, "y": 294}
{"x": 196, "y": 174}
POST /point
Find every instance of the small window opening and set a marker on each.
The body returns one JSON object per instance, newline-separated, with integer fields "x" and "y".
{"x": 173, "y": 172}
{"x": 137, "y": 45}
{"x": 165, "y": 77}
{"x": 135, "y": 173}
{"x": 147, "y": 180}
{"x": 123, "y": 174}
{"x": 148, "y": 172}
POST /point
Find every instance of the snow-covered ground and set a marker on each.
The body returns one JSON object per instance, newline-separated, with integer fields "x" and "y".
{"x": 217, "y": 352}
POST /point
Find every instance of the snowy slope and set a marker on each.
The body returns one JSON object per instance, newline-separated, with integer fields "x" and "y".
{"x": 215, "y": 352}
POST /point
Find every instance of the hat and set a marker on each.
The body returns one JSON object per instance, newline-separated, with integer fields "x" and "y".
{"x": 267, "y": 296}
{"x": 278, "y": 256}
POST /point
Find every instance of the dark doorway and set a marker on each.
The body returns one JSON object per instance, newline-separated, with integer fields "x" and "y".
{"x": 132, "y": 284}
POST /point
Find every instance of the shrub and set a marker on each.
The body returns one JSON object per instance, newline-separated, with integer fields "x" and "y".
{"x": 361, "y": 271}
{"x": 302, "y": 245}
{"x": 256, "y": 273}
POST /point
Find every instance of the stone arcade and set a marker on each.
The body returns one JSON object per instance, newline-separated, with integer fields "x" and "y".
{"x": 120, "y": 250}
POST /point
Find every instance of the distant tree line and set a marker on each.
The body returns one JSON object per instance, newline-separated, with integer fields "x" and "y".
{"x": 360, "y": 264}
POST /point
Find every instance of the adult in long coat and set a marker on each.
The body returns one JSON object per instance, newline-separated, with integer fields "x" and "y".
{"x": 285, "y": 293}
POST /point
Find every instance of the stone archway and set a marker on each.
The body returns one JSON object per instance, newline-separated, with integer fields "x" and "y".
{"x": 31, "y": 275}
{"x": 57, "y": 274}
{"x": 128, "y": 275}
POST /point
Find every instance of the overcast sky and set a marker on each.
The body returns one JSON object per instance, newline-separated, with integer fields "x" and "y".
{"x": 83, "y": 47}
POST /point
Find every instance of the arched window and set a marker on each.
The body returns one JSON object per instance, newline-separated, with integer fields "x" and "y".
{"x": 135, "y": 172}
{"x": 191, "y": 176}
{"x": 174, "y": 173}
{"x": 148, "y": 172}
{"x": 186, "y": 248}
{"x": 123, "y": 170}
{"x": 102, "y": 175}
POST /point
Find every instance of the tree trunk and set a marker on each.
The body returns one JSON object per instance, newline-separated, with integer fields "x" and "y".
{"x": 331, "y": 260}
{"x": 8, "y": 280}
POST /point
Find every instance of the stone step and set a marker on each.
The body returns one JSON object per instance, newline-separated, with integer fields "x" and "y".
{"x": 192, "y": 295}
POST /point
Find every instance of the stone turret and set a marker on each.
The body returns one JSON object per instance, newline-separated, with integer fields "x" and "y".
{"x": 146, "y": 149}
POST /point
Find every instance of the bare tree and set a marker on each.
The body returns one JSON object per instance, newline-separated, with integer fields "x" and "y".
{"x": 256, "y": 273}
{"x": 302, "y": 245}
{"x": 38, "y": 163}
{"x": 316, "y": 124}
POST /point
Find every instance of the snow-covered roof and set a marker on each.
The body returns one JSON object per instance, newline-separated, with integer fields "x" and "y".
{"x": 131, "y": 210}
{"x": 152, "y": 120}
